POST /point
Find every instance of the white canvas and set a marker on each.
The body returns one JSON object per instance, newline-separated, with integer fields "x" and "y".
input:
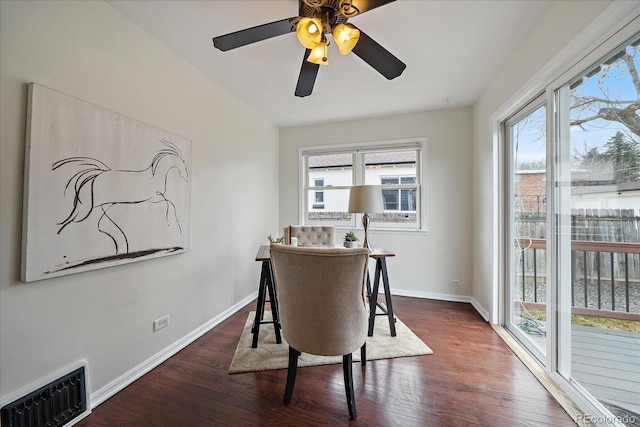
{"x": 101, "y": 189}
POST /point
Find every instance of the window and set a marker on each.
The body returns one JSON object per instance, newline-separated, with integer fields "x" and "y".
{"x": 328, "y": 173}
{"x": 400, "y": 199}
{"x": 319, "y": 196}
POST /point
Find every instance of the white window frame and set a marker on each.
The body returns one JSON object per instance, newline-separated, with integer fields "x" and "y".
{"x": 358, "y": 150}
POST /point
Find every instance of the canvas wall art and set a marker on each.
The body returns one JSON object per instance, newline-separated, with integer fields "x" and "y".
{"x": 101, "y": 189}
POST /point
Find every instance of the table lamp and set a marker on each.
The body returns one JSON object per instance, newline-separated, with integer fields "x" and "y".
{"x": 366, "y": 199}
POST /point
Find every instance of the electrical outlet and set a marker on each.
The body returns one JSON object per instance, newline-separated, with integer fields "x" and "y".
{"x": 162, "y": 322}
{"x": 453, "y": 282}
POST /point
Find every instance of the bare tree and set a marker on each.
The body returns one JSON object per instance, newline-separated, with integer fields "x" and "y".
{"x": 587, "y": 109}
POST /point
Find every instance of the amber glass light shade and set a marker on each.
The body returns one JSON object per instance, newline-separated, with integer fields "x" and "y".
{"x": 319, "y": 54}
{"x": 346, "y": 37}
{"x": 309, "y": 32}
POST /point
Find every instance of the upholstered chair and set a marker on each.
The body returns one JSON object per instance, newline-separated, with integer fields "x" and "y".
{"x": 314, "y": 235}
{"x": 323, "y": 306}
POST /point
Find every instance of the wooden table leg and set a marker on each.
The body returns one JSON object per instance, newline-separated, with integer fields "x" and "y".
{"x": 387, "y": 296}
{"x": 381, "y": 269}
{"x": 273, "y": 302}
{"x": 373, "y": 300}
{"x": 255, "y": 330}
{"x": 266, "y": 286}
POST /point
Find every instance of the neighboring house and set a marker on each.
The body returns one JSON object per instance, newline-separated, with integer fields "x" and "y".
{"x": 624, "y": 195}
{"x": 386, "y": 168}
{"x": 530, "y": 190}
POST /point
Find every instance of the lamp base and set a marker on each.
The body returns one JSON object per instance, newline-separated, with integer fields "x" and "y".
{"x": 365, "y": 225}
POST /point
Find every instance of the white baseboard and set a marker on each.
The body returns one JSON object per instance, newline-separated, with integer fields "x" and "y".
{"x": 129, "y": 377}
{"x": 446, "y": 297}
{"x": 432, "y": 295}
{"x": 480, "y": 309}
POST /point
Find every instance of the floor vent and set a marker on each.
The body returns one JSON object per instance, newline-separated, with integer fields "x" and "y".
{"x": 53, "y": 405}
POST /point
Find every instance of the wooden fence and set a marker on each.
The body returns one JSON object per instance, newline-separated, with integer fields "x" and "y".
{"x": 605, "y": 258}
{"x": 607, "y": 225}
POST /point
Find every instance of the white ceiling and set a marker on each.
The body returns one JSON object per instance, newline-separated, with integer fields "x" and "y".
{"x": 451, "y": 48}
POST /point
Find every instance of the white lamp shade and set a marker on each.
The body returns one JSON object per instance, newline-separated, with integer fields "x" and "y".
{"x": 366, "y": 199}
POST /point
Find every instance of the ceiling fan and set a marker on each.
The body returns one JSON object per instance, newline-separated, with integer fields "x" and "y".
{"x": 315, "y": 19}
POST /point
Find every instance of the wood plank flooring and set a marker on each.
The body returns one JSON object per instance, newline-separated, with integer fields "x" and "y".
{"x": 472, "y": 379}
{"x": 607, "y": 364}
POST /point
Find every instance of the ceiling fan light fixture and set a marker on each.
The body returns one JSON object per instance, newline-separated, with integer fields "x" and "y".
{"x": 346, "y": 37}
{"x": 309, "y": 32}
{"x": 319, "y": 54}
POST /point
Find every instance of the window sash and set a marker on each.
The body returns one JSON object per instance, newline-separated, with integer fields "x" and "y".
{"x": 358, "y": 172}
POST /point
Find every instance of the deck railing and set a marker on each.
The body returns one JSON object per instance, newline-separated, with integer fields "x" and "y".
{"x": 605, "y": 276}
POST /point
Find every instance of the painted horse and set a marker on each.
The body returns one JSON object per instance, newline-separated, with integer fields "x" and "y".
{"x": 97, "y": 186}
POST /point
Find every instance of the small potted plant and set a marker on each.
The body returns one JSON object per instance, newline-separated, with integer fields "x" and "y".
{"x": 350, "y": 240}
{"x": 275, "y": 239}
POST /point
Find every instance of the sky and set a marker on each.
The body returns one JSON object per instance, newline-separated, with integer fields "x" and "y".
{"x": 612, "y": 82}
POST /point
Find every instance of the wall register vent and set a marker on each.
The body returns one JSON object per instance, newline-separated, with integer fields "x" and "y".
{"x": 55, "y": 404}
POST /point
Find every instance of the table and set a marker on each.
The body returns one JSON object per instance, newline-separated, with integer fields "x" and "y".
{"x": 267, "y": 282}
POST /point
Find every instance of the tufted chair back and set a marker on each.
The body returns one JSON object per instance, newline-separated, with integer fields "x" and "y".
{"x": 323, "y": 306}
{"x": 321, "y": 298}
{"x": 314, "y": 235}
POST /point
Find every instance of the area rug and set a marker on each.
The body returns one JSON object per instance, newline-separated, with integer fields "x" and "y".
{"x": 270, "y": 355}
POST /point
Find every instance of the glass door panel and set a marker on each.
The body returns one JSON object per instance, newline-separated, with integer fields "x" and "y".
{"x": 527, "y": 212}
{"x": 599, "y": 234}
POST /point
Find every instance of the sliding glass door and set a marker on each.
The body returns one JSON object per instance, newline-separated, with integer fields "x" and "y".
{"x": 571, "y": 209}
{"x": 526, "y": 208}
{"x": 598, "y": 233}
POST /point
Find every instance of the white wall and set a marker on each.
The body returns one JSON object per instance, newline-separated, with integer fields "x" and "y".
{"x": 90, "y": 51}
{"x": 425, "y": 261}
{"x": 559, "y": 25}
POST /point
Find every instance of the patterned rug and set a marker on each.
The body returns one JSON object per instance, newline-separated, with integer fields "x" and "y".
{"x": 270, "y": 355}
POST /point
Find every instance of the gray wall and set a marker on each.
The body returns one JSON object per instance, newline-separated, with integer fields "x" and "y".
{"x": 88, "y": 50}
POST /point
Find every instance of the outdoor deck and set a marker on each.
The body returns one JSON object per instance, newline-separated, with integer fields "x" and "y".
{"x": 607, "y": 363}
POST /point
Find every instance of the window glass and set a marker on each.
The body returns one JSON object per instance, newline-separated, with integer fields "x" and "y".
{"x": 598, "y": 255}
{"x": 330, "y": 176}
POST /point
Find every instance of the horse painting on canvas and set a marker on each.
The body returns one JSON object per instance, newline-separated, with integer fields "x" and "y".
{"x": 98, "y": 189}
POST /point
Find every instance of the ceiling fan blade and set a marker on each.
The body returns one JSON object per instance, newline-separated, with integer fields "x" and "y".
{"x": 378, "y": 57}
{"x": 361, "y": 6}
{"x": 254, "y": 34}
{"x": 307, "y": 77}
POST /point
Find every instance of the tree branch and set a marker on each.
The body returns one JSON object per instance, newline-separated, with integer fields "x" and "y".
{"x": 633, "y": 71}
{"x": 626, "y": 116}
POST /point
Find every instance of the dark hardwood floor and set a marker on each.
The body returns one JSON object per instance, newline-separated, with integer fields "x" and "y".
{"x": 472, "y": 378}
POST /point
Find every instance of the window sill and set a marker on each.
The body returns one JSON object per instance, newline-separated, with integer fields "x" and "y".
{"x": 403, "y": 231}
